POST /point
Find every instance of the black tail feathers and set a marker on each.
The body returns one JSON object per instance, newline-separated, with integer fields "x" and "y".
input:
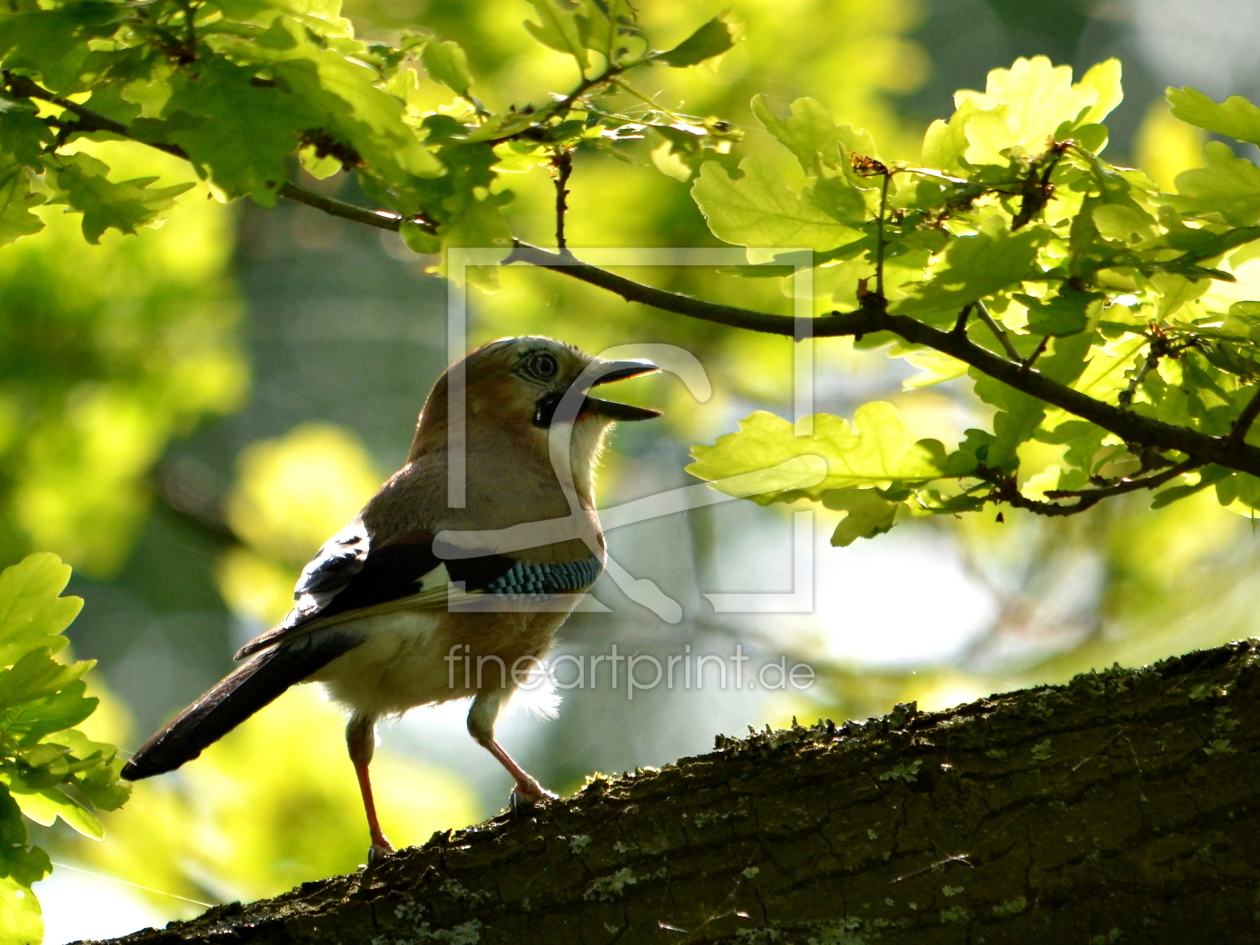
{"x": 234, "y": 699}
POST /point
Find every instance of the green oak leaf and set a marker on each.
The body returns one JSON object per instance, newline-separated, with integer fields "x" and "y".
{"x": 54, "y": 43}
{"x": 1105, "y": 79}
{"x": 758, "y": 210}
{"x": 47, "y": 805}
{"x": 558, "y": 28}
{"x": 1033, "y": 98}
{"x": 712, "y": 39}
{"x": 22, "y": 134}
{"x": 1234, "y": 118}
{"x": 809, "y": 131}
{"x": 873, "y": 451}
{"x": 21, "y": 865}
{"x": 237, "y": 133}
{"x": 447, "y": 63}
{"x": 32, "y": 614}
{"x": 16, "y": 201}
{"x": 36, "y": 675}
{"x": 975, "y": 266}
{"x": 344, "y": 93}
{"x": 124, "y": 206}
{"x": 945, "y": 144}
{"x": 1228, "y": 186}
{"x": 870, "y": 514}
{"x": 20, "y": 918}
{"x": 30, "y": 722}
{"x": 1062, "y": 314}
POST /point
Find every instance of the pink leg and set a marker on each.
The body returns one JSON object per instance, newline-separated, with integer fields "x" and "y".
{"x": 481, "y": 716}
{"x": 361, "y": 741}
{"x": 527, "y": 786}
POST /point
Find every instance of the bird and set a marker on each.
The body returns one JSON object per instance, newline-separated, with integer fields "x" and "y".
{"x": 393, "y": 612}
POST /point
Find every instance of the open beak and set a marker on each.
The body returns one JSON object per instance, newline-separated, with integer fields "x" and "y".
{"x": 620, "y": 371}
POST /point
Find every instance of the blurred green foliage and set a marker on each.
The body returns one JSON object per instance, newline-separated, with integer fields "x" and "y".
{"x": 104, "y": 357}
{"x": 48, "y": 768}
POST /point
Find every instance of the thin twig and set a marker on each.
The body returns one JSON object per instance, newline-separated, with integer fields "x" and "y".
{"x": 563, "y": 162}
{"x": 960, "y": 326}
{"x": 1238, "y": 433}
{"x": 999, "y": 332}
{"x": 1037, "y": 352}
{"x": 879, "y": 237}
{"x": 1007, "y": 491}
{"x": 1156, "y": 351}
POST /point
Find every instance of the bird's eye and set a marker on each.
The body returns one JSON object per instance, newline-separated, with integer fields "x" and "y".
{"x": 543, "y": 365}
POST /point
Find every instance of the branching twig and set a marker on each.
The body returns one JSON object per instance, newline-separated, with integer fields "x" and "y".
{"x": 998, "y": 331}
{"x": 1037, "y": 352}
{"x": 1008, "y": 491}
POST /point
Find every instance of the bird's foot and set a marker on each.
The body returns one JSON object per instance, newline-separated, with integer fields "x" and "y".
{"x": 526, "y": 794}
{"x": 378, "y": 851}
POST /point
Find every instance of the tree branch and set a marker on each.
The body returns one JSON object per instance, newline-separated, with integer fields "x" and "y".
{"x": 1050, "y": 815}
{"x": 1232, "y": 451}
{"x": 1130, "y": 427}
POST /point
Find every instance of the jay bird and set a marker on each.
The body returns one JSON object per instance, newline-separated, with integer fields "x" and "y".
{"x": 385, "y": 602}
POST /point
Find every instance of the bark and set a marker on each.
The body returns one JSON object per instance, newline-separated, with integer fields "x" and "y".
{"x": 1123, "y": 807}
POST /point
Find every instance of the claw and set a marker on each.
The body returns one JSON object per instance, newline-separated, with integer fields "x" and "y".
{"x": 376, "y": 853}
{"x": 527, "y": 795}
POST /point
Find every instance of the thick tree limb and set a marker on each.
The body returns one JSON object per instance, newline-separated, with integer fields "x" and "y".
{"x": 1126, "y": 800}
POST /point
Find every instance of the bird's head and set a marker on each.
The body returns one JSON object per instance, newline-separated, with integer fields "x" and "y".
{"x": 519, "y": 389}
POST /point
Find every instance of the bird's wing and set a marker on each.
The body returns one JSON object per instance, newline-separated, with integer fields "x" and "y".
{"x": 352, "y": 578}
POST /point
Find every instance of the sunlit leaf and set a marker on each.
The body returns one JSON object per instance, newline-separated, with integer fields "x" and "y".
{"x": 32, "y": 615}
{"x": 870, "y": 514}
{"x": 976, "y": 266}
{"x": 759, "y": 210}
{"x": 875, "y": 450}
{"x": 808, "y": 131}
{"x": 1229, "y": 187}
{"x": 712, "y": 39}
{"x": 446, "y": 62}
{"x": 123, "y": 206}
{"x": 46, "y": 806}
{"x": 558, "y": 28}
{"x": 1235, "y": 117}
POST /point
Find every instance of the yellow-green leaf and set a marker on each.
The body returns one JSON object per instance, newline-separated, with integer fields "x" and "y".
{"x": 758, "y": 210}
{"x": 874, "y": 450}
{"x": 1235, "y": 117}
{"x": 32, "y": 615}
{"x": 870, "y": 514}
{"x": 976, "y": 266}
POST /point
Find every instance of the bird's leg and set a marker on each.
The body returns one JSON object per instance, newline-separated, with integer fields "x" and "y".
{"x": 481, "y": 716}
{"x": 361, "y": 741}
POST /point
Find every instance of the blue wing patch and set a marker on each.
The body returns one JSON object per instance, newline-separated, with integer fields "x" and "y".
{"x": 562, "y": 578}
